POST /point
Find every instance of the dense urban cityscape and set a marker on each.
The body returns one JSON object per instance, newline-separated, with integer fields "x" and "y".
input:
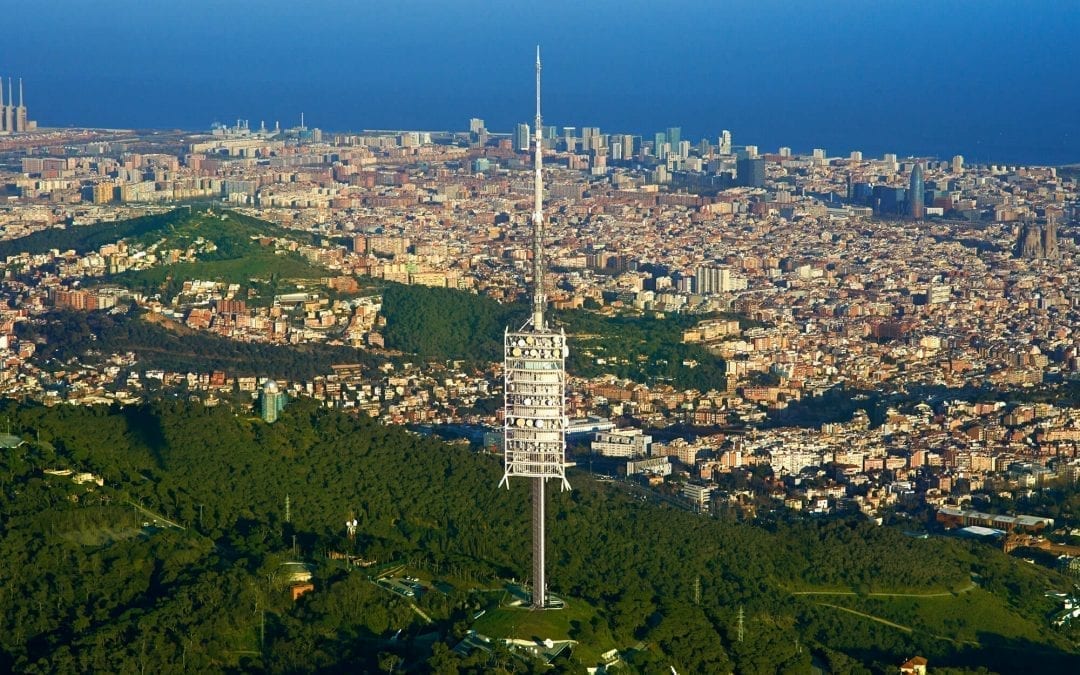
{"x": 753, "y": 335}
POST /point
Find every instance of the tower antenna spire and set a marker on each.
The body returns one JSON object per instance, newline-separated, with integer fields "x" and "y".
{"x": 538, "y": 212}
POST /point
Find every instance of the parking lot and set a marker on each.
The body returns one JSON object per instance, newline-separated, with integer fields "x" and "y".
{"x": 406, "y": 587}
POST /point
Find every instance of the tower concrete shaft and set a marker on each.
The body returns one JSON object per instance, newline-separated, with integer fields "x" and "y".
{"x": 539, "y": 585}
{"x": 539, "y": 594}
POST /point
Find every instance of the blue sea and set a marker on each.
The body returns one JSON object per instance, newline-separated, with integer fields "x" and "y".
{"x": 995, "y": 81}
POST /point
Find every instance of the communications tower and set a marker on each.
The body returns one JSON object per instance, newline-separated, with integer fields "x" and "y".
{"x": 534, "y": 379}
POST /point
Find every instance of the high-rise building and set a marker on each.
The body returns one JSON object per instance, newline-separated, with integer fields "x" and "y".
{"x": 711, "y": 280}
{"x": 659, "y": 140}
{"x": 521, "y": 137}
{"x": 725, "y": 142}
{"x": 273, "y": 401}
{"x": 750, "y": 171}
{"x": 103, "y": 192}
{"x": 534, "y": 394}
{"x": 587, "y": 136}
{"x": 674, "y": 136}
{"x": 478, "y": 133}
{"x": 957, "y": 164}
{"x": 569, "y": 138}
{"x": 627, "y": 146}
{"x": 598, "y": 144}
{"x": 916, "y": 193}
{"x": 890, "y": 199}
{"x": 661, "y": 151}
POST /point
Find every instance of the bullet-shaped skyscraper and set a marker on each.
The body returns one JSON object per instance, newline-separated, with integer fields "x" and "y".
{"x": 916, "y": 193}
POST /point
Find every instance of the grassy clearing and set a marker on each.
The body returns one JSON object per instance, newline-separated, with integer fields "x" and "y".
{"x": 101, "y": 536}
{"x": 501, "y": 621}
{"x": 969, "y": 617}
{"x": 258, "y": 265}
{"x": 889, "y": 593}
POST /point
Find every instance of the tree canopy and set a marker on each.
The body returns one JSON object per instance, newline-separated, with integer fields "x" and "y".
{"x": 92, "y": 580}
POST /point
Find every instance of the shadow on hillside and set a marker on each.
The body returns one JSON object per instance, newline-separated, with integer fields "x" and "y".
{"x": 145, "y": 427}
{"x": 1014, "y": 655}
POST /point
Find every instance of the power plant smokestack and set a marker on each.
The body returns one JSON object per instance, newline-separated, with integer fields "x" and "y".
{"x": 20, "y": 111}
{"x": 9, "y": 109}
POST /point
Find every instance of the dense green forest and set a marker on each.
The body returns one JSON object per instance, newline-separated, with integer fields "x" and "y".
{"x": 441, "y": 324}
{"x": 91, "y": 581}
{"x": 64, "y": 335}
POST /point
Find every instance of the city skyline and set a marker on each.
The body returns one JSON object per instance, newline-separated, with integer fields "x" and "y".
{"x": 913, "y": 80}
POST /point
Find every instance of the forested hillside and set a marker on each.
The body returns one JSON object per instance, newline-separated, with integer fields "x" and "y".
{"x": 441, "y": 323}
{"x": 90, "y": 581}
